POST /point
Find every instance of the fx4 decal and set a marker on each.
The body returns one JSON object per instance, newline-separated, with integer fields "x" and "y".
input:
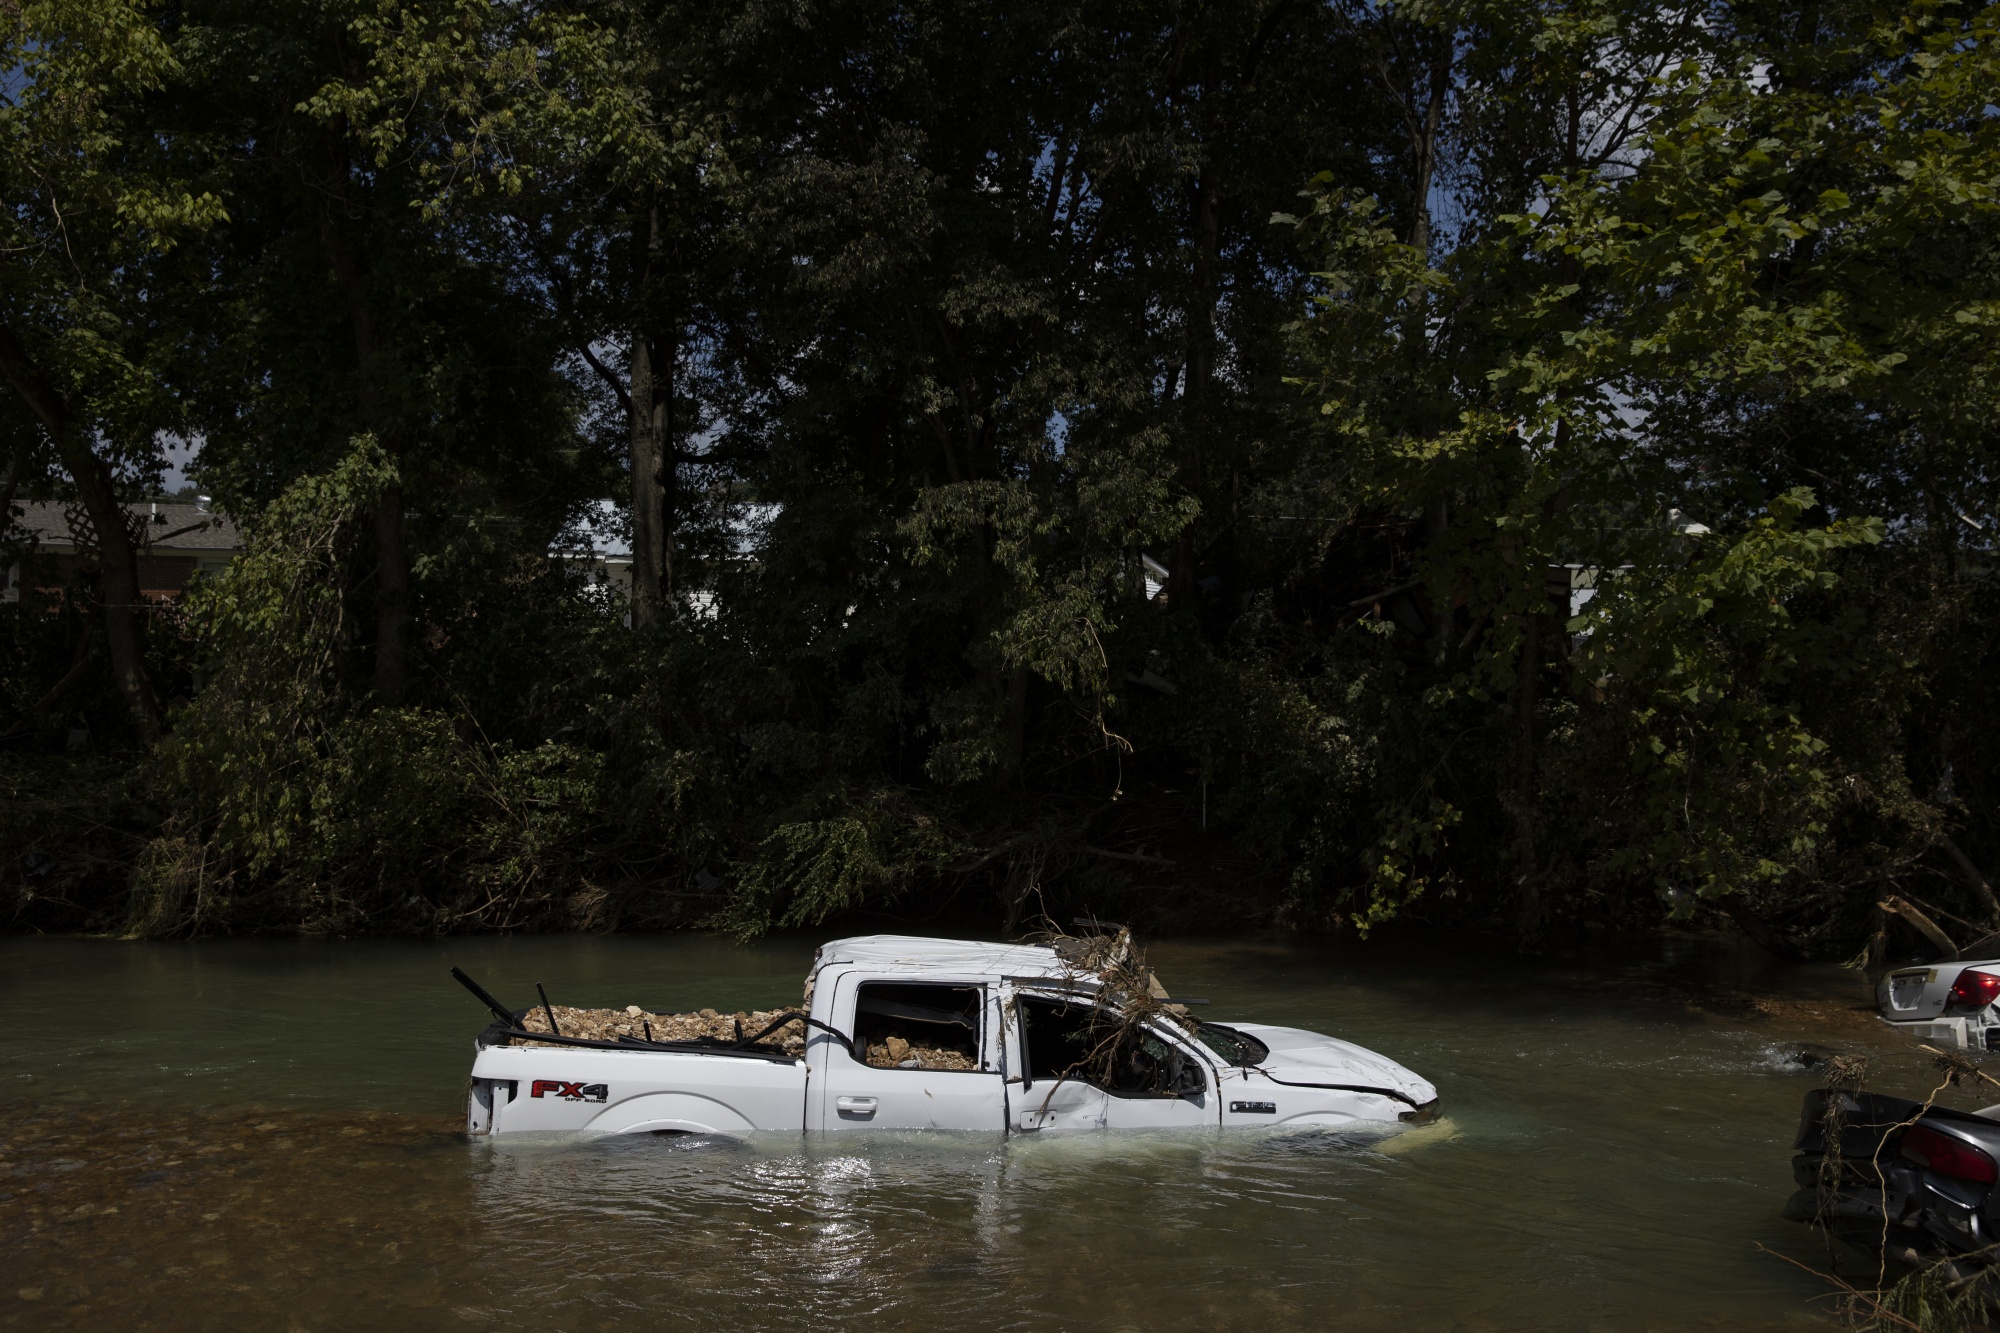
{"x": 569, "y": 1092}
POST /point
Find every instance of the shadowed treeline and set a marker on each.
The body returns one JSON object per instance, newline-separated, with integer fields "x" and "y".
{"x": 1515, "y": 466}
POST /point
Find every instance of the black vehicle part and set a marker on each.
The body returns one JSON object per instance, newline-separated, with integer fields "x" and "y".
{"x": 1908, "y": 1177}
{"x": 1844, "y": 1209}
{"x": 703, "y": 1046}
{"x": 1080, "y": 985}
{"x": 499, "y": 1010}
{"x": 1870, "y": 1121}
{"x": 791, "y": 1015}
{"x": 547, "y": 1009}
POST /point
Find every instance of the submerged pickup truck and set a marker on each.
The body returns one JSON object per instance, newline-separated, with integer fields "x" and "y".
{"x": 1009, "y": 1039}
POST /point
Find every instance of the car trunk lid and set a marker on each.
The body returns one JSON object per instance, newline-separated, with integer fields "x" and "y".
{"x": 1912, "y": 992}
{"x": 1915, "y": 994}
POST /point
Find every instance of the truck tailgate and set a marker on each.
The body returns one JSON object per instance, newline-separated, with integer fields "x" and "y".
{"x": 580, "y": 1090}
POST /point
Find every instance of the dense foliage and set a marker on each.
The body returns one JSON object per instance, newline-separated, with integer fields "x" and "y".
{"x": 1517, "y": 465}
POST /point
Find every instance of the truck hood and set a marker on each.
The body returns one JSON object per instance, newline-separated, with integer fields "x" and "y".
{"x": 1313, "y": 1059}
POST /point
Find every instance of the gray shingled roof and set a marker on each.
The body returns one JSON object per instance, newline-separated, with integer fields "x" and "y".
{"x": 174, "y": 525}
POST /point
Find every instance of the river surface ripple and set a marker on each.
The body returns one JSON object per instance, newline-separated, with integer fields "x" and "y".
{"x": 240, "y": 1134}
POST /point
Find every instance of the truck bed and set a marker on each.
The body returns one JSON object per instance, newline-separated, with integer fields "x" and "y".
{"x": 636, "y": 1023}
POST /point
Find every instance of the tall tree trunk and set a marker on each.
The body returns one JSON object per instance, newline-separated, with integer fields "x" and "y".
{"x": 1973, "y": 876}
{"x": 1534, "y": 570}
{"x": 650, "y": 398}
{"x": 1015, "y": 725}
{"x": 1424, "y": 123}
{"x": 1205, "y": 223}
{"x": 1525, "y": 861}
{"x": 392, "y": 598}
{"x": 15, "y": 463}
{"x": 392, "y": 556}
{"x": 649, "y": 474}
{"x": 124, "y": 609}
{"x": 1437, "y": 524}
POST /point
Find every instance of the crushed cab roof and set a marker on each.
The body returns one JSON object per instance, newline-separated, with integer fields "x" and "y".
{"x": 919, "y": 953}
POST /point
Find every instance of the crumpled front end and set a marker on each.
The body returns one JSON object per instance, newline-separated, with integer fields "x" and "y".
{"x": 1311, "y": 1078}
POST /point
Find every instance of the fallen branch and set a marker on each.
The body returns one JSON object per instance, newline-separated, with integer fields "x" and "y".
{"x": 1954, "y": 1063}
{"x": 76, "y": 666}
{"x": 1972, "y": 875}
{"x": 1876, "y": 1309}
{"x": 1383, "y": 595}
{"x": 1925, "y": 926}
{"x": 1140, "y": 857}
{"x": 1761, "y": 932}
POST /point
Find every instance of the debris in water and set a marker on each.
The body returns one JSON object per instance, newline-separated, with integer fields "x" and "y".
{"x": 1808, "y": 1056}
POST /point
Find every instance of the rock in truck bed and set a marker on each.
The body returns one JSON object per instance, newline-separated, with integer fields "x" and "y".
{"x": 632, "y": 1021}
{"x": 894, "y": 1052}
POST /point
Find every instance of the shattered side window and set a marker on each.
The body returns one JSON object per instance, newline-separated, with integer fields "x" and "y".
{"x": 1072, "y": 1039}
{"x": 911, "y": 1025}
{"x": 1236, "y": 1048}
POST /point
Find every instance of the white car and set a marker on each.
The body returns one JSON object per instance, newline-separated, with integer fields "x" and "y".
{"x": 1014, "y": 1023}
{"x": 1952, "y": 1003}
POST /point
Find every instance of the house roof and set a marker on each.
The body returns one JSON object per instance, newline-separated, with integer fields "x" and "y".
{"x": 171, "y": 525}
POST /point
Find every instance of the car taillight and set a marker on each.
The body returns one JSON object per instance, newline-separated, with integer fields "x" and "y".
{"x": 1947, "y": 1156}
{"x": 1973, "y": 991}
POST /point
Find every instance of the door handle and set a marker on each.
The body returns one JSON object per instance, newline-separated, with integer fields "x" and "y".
{"x": 862, "y": 1106}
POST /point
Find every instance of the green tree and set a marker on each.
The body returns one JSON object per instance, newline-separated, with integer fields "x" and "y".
{"x": 102, "y": 197}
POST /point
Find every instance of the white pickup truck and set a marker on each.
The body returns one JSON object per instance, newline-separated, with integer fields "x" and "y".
{"x": 1022, "y": 1030}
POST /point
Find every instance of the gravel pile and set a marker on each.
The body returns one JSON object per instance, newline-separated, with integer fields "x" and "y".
{"x": 896, "y": 1053}
{"x": 632, "y": 1021}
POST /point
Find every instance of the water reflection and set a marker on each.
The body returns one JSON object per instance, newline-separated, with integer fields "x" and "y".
{"x": 911, "y": 1230}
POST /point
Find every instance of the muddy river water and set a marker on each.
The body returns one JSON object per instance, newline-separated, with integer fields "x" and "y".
{"x": 259, "y": 1135}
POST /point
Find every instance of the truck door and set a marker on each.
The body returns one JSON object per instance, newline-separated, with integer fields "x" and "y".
{"x": 925, "y": 1056}
{"x": 1081, "y": 1070}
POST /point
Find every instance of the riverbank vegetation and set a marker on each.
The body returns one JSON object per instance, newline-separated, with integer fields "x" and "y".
{"x": 1522, "y": 466}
